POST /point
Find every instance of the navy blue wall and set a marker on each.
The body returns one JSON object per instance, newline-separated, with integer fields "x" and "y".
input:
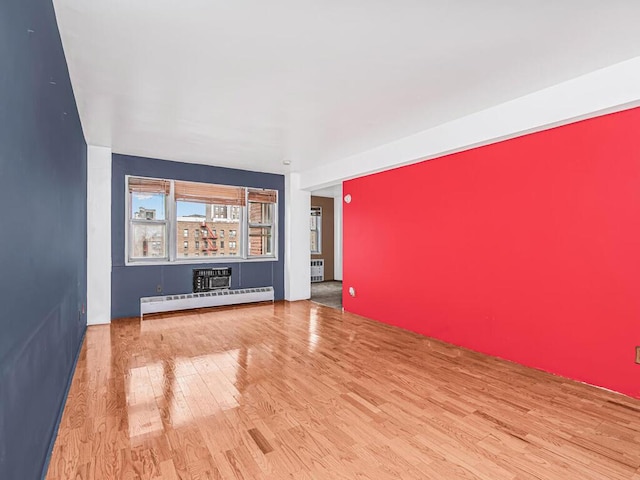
{"x": 130, "y": 283}
{"x": 43, "y": 241}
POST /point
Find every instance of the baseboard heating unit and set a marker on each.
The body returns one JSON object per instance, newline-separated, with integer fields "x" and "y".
{"x": 215, "y": 298}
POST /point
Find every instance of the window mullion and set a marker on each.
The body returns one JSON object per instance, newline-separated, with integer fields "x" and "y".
{"x": 245, "y": 225}
{"x": 172, "y": 220}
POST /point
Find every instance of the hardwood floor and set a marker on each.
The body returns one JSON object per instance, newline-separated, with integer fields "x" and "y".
{"x": 302, "y": 391}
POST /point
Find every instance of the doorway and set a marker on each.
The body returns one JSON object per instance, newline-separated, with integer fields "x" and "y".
{"x": 326, "y": 247}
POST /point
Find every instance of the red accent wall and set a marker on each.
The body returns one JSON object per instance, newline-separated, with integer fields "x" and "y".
{"x": 527, "y": 249}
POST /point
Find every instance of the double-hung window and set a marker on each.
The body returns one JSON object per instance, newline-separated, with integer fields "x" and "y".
{"x": 262, "y": 211}
{"x": 316, "y": 230}
{"x": 163, "y": 213}
{"x": 148, "y": 225}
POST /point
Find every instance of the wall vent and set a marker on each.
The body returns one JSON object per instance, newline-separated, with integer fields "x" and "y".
{"x": 317, "y": 270}
{"x": 206, "y": 279}
{"x": 215, "y": 298}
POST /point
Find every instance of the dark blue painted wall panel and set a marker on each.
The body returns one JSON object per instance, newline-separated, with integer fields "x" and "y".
{"x": 129, "y": 283}
{"x": 43, "y": 241}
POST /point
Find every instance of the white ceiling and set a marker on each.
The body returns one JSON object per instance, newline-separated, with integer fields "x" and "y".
{"x": 249, "y": 83}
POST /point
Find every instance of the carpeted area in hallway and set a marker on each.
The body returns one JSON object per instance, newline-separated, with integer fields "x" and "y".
{"x": 327, "y": 293}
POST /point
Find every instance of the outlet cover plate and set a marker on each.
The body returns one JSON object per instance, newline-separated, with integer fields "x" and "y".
{"x": 638, "y": 355}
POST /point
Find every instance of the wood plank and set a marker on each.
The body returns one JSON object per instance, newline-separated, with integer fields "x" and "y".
{"x": 248, "y": 393}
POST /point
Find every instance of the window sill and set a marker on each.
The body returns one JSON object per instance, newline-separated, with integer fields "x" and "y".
{"x": 199, "y": 260}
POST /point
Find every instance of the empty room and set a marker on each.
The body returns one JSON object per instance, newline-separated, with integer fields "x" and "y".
{"x": 319, "y": 240}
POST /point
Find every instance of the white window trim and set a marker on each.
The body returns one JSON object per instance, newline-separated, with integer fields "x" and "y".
{"x": 274, "y": 226}
{"x": 171, "y": 241}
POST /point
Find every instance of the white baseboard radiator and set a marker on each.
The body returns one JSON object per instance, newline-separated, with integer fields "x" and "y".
{"x": 215, "y": 298}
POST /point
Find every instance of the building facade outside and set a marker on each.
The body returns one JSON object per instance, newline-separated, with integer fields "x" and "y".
{"x": 199, "y": 237}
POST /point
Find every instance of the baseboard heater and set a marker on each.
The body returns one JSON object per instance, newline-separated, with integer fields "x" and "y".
{"x": 215, "y": 298}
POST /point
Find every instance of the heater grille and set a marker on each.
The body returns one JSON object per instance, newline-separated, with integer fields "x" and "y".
{"x": 317, "y": 270}
{"x": 215, "y": 298}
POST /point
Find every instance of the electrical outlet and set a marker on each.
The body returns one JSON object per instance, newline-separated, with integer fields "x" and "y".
{"x": 638, "y": 355}
{"x": 159, "y": 288}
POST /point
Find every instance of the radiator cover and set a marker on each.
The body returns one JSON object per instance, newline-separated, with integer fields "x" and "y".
{"x": 216, "y": 298}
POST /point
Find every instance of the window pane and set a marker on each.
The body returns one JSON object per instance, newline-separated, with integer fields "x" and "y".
{"x": 260, "y": 213}
{"x": 206, "y": 222}
{"x": 260, "y": 241}
{"x": 316, "y": 226}
{"x": 147, "y": 206}
{"x": 148, "y": 240}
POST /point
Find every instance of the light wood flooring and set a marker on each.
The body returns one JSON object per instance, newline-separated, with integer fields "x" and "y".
{"x": 301, "y": 391}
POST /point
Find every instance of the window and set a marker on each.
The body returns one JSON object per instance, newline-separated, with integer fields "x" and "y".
{"x": 148, "y": 224}
{"x": 220, "y": 211}
{"x": 316, "y": 230}
{"x": 261, "y": 206}
{"x": 203, "y": 205}
{"x": 163, "y": 212}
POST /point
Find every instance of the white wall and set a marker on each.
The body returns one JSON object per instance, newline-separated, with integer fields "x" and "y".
{"x": 337, "y": 233}
{"x": 607, "y": 90}
{"x": 98, "y": 235}
{"x": 297, "y": 263}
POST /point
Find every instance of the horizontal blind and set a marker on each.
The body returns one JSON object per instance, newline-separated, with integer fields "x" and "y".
{"x": 209, "y": 193}
{"x": 262, "y": 196}
{"x": 149, "y": 185}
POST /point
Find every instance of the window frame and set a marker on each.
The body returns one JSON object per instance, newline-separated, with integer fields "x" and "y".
{"x": 317, "y": 230}
{"x": 245, "y": 234}
{"x": 171, "y": 230}
{"x": 130, "y": 221}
